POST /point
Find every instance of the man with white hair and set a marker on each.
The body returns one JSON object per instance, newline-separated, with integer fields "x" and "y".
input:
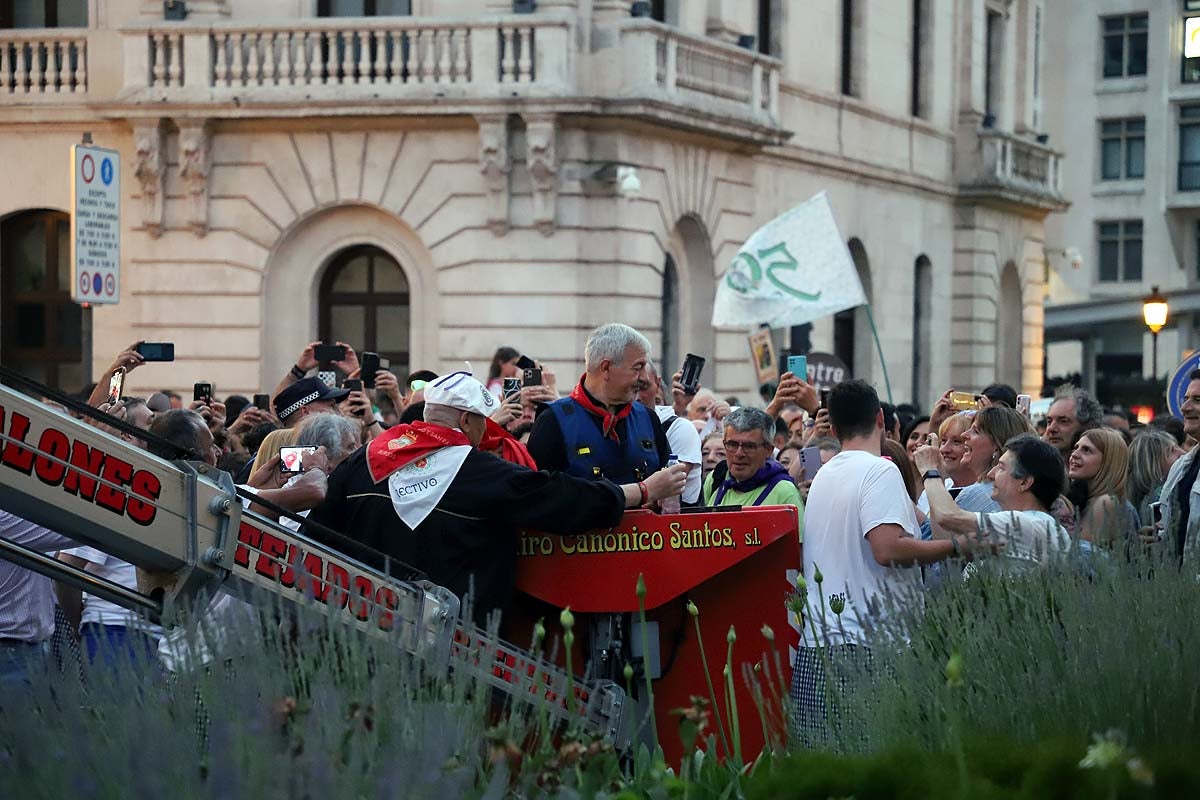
{"x": 425, "y": 494}
{"x": 599, "y": 431}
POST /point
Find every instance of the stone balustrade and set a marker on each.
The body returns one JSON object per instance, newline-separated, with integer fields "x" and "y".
{"x": 38, "y": 64}
{"x": 1016, "y": 166}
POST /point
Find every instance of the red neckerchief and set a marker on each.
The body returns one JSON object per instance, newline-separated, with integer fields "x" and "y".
{"x": 499, "y": 441}
{"x": 401, "y": 445}
{"x": 608, "y": 420}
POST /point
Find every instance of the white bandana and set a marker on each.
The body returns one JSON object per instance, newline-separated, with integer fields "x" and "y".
{"x": 417, "y": 488}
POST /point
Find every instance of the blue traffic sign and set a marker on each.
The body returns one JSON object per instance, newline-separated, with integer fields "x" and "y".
{"x": 1177, "y": 386}
{"x": 97, "y": 283}
{"x": 106, "y": 171}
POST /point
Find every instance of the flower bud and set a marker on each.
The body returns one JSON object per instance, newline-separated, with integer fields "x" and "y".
{"x": 691, "y": 607}
{"x": 641, "y": 586}
{"x": 731, "y": 637}
{"x": 954, "y": 669}
{"x": 801, "y": 583}
{"x": 539, "y": 633}
{"x": 628, "y": 671}
{"x": 837, "y": 604}
{"x": 817, "y": 576}
{"x": 767, "y": 633}
{"x": 566, "y": 618}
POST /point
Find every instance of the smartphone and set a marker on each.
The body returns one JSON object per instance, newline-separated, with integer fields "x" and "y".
{"x": 825, "y": 398}
{"x": 512, "y": 389}
{"x": 533, "y": 376}
{"x": 115, "y": 386}
{"x": 525, "y": 362}
{"x": 291, "y": 459}
{"x": 202, "y": 392}
{"x": 798, "y": 366}
{"x": 1023, "y": 401}
{"x": 262, "y": 402}
{"x": 156, "y": 351}
{"x": 964, "y": 401}
{"x": 328, "y": 353}
{"x": 370, "y": 365}
{"x": 1156, "y": 513}
{"x": 810, "y": 460}
{"x": 353, "y": 384}
{"x": 693, "y": 365}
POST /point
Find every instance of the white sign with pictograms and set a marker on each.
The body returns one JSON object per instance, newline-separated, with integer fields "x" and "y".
{"x": 95, "y": 224}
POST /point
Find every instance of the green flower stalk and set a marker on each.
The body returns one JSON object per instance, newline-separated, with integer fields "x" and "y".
{"x": 567, "y": 619}
{"x": 712, "y": 692}
{"x": 731, "y": 699}
{"x": 641, "y": 596}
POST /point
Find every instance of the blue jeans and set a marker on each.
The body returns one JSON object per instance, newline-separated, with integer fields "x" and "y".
{"x": 112, "y": 645}
{"x": 19, "y": 661}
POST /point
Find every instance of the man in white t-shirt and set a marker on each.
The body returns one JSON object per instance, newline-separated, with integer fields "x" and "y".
{"x": 682, "y": 436}
{"x": 1026, "y": 481}
{"x": 860, "y": 532}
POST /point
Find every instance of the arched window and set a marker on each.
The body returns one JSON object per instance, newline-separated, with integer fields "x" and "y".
{"x": 364, "y": 302}
{"x": 852, "y": 339}
{"x": 922, "y": 330}
{"x": 669, "y": 355}
{"x": 43, "y": 331}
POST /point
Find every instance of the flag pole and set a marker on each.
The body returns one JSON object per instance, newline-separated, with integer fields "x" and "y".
{"x": 879, "y": 348}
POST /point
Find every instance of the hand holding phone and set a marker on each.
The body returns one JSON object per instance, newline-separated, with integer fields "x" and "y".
{"x": 202, "y": 393}
{"x": 291, "y": 459}
{"x": 116, "y": 385}
{"x": 810, "y": 460}
{"x": 693, "y": 365}
{"x": 533, "y": 376}
{"x": 370, "y": 365}
{"x": 263, "y": 402}
{"x": 329, "y": 353}
{"x": 512, "y": 390}
{"x": 525, "y": 362}
{"x": 964, "y": 401}
{"x": 798, "y": 366}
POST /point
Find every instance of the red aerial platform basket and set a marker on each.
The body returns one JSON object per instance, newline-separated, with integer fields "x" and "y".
{"x": 737, "y": 566}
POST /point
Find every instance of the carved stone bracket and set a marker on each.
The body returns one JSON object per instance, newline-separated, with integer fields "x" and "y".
{"x": 541, "y": 158}
{"x": 195, "y": 159}
{"x": 495, "y": 165}
{"x": 149, "y": 139}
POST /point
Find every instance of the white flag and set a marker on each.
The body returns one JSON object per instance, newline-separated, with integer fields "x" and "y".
{"x": 793, "y": 270}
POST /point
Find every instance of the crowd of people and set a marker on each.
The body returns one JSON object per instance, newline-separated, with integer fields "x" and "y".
{"x": 876, "y": 489}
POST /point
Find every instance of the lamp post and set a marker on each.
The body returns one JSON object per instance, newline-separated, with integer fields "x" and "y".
{"x": 1154, "y": 311}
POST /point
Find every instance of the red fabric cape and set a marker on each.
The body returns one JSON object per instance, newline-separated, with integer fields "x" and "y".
{"x": 401, "y": 445}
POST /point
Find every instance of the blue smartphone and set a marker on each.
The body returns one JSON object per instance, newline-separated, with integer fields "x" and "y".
{"x": 798, "y": 366}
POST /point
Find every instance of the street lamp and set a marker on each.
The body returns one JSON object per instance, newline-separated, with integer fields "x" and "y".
{"x": 1154, "y": 311}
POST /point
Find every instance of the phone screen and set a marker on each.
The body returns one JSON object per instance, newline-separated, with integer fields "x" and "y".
{"x": 329, "y": 352}
{"x": 156, "y": 351}
{"x": 115, "y": 386}
{"x": 202, "y": 392}
{"x": 693, "y": 365}
{"x": 370, "y": 365}
{"x": 291, "y": 459}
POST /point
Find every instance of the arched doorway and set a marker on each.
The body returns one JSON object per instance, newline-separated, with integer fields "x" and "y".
{"x": 364, "y": 301}
{"x": 690, "y": 268}
{"x": 43, "y": 332}
{"x": 852, "y": 341}
{"x": 922, "y": 343}
{"x": 1010, "y": 329}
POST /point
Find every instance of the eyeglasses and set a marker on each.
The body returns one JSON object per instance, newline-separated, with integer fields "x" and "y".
{"x": 749, "y": 447}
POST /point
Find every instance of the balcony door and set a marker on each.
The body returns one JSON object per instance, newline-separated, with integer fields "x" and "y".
{"x": 364, "y": 8}
{"x": 43, "y": 13}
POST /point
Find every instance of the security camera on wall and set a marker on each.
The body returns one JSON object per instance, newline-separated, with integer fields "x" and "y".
{"x": 1074, "y": 257}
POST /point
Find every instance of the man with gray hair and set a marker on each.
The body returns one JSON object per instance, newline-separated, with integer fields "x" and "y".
{"x": 749, "y": 476}
{"x": 599, "y": 431}
{"x": 1073, "y": 413}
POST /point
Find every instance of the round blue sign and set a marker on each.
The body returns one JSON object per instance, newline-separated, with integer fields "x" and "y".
{"x": 1177, "y": 386}
{"x": 97, "y": 283}
{"x": 106, "y": 171}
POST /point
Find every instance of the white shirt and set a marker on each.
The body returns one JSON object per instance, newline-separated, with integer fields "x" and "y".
{"x": 1031, "y": 537}
{"x": 854, "y": 493}
{"x": 685, "y": 444}
{"x": 26, "y": 597}
{"x": 104, "y": 612}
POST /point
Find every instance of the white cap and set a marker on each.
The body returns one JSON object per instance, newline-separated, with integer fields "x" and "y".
{"x": 459, "y": 390}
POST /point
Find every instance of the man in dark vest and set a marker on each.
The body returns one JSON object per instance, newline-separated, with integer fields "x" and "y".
{"x": 599, "y": 431}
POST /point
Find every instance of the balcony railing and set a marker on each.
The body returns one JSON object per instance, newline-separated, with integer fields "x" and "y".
{"x": 1021, "y": 170}
{"x": 661, "y": 62}
{"x": 405, "y": 56}
{"x": 42, "y": 64}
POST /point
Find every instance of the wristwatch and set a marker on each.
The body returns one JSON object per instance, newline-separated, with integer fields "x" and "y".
{"x": 931, "y": 473}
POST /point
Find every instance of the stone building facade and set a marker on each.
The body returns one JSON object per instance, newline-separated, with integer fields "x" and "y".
{"x": 457, "y": 176}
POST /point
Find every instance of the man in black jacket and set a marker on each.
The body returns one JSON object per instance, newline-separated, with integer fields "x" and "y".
{"x": 424, "y": 494}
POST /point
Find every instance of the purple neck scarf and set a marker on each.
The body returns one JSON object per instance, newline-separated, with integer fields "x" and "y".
{"x": 768, "y": 476}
